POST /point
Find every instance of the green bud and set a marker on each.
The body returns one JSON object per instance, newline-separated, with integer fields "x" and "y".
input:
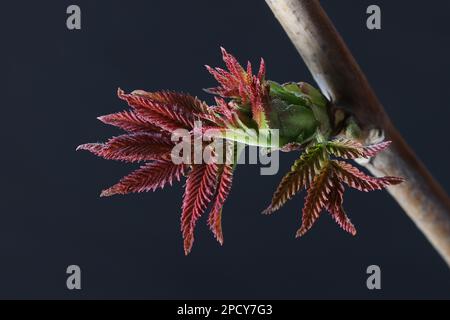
{"x": 298, "y": 110}
{"x": 295, "y": 122}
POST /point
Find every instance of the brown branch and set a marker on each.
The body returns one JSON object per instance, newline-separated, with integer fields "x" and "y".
{"x": 342, "y": 81}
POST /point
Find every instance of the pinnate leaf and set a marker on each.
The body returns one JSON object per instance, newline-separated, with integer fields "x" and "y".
{"x": 167, "y": 116}
{"x": 335, "y": 208}
{"x": 345, "y": 148}
{"x": 223, "y": 189}
{"x": 356, "y": 179}
{"x": 372, "y": 150}
{"x": 199, "y": 191}
{"x": 302, "y": 173}
{"x": 316, "y": 199}
{"x": 149, "y": 177}
{"x": 128, "y": 121}
{"x": 133, "y": 147}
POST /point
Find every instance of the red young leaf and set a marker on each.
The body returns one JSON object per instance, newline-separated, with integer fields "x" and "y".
{"x": 335, "y": 208}
{"x": 316, "y": 199}
{"x": 190, "y": 103}
{"x": 350, "y": 149}
{"x": 223, "y": 189}
{"x": 169, "y": 117}
{"x": 345, "y": 148}
{"x": 215, "y": 224}
{"x": 240, "y": 84}
{"x": 262, "y": 71}
{"x": 301, "y": 174}
{"x": 325, "y": 178}
{"x": 128, "y": 121}
{"x": 149, "y": 177}
{"x": 224, "y": 109}
{"x": 359, "y": 180}
{"x": 133, "y": 147}
{"x": 199, "y": 191}
{"x": 372, "y": 150}
{"x": 154, "y": 117}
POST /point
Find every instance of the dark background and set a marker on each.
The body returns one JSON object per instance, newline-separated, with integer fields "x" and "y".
{"x": 55, "y": 82}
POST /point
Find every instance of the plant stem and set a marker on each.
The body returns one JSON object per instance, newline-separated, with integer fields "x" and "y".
{"x": 342, "y": 81}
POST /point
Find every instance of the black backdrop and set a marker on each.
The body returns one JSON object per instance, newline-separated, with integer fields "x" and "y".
{"x": 55, "y": 82}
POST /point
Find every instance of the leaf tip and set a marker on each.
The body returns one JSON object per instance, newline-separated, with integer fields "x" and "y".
{"x": 121, "y": 93}
{"x": 103, "y": 194}
{"x": 188, "y": 241}
{"x": 107, "y": 193}
{"x": 300, "y": 233}
{"x": 80, "y": 147}
{"x": 92, "y": 147}
{"x": 101, "y": 118}
{"x": 394, "y": 180}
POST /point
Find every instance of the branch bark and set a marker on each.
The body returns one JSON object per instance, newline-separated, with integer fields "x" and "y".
{"x": 342, "y": 81}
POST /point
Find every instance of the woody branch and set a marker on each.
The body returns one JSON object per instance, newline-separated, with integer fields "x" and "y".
{"x": 342, "y": 81}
